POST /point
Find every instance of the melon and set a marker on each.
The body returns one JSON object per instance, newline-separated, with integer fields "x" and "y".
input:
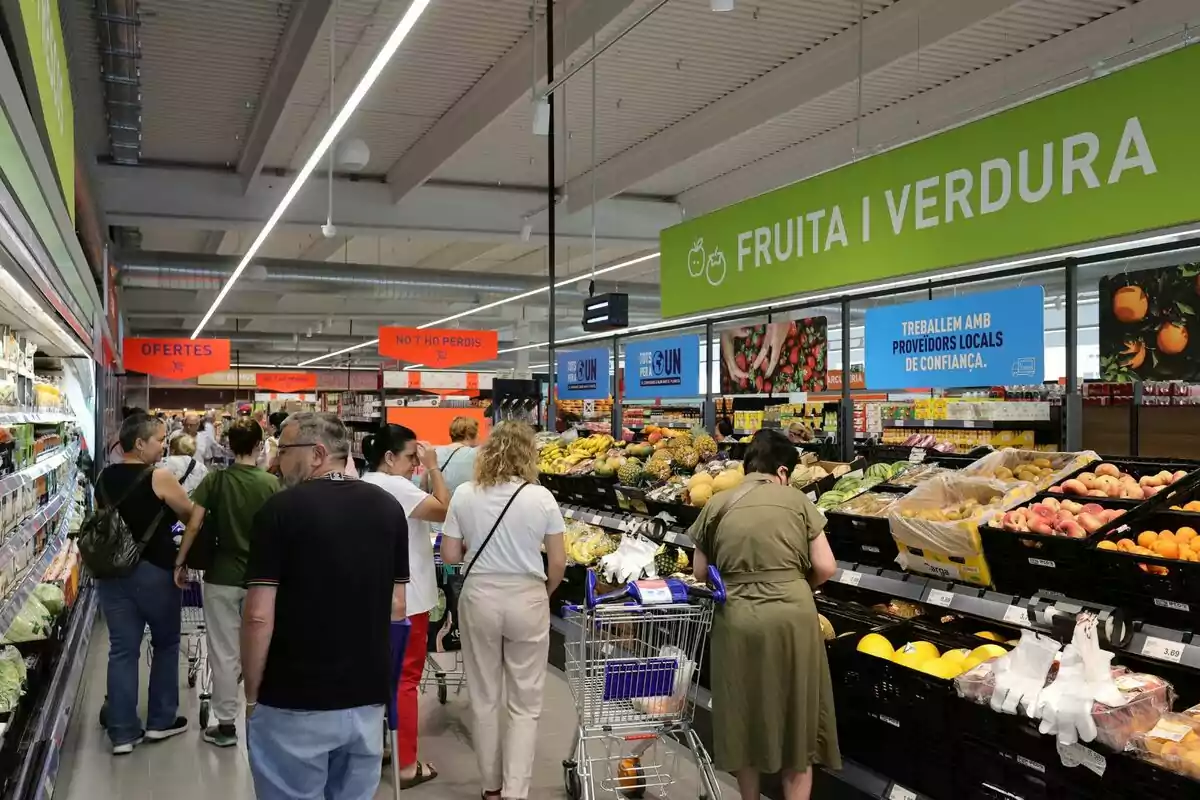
{"x": 876, "y": 645}
{"x": 699, "y": 478}
{"x": 700, "y": 494}
{"x": 726, "y": 480}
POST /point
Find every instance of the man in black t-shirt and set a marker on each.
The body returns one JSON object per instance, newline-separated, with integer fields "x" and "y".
{"x": 328, "y": 564}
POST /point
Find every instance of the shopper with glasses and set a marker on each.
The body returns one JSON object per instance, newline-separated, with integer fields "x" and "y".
{"x": 393, "y": 454}
{"x": 321, "y": 595}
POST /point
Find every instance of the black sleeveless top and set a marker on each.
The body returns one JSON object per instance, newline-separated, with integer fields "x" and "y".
{"x": 138, "y": 511}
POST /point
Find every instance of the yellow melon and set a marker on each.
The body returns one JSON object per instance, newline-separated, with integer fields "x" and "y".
{"x": 726, "y": 480}
{"x": 700, "y": 494}
{"x": 698, "y": 478}
{"x": 875, "y": 645}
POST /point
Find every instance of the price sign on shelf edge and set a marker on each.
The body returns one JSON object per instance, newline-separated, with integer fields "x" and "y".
{"x": 898, "y": 792}
{"x": 850, "y": 578}
{"x": 1163, "y": 649}
{"x": 939, "y": 597}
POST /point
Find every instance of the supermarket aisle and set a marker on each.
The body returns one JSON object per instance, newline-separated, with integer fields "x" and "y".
{"x": 185, "y": 768}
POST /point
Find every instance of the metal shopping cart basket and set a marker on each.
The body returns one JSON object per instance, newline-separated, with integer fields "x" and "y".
{"x": 443, "y": 658}
{"x": 632, "y": 659}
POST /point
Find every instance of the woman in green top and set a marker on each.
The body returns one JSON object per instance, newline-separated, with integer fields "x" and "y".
{"x": 772, "y": 698}
{"x": 234, "y": 496}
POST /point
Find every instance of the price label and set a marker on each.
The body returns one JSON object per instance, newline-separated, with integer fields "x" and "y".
{"x": 939, "y": 597}
{"x": 812, "y": 496}
{"x": 968, "y": 423}
{"x": 1016, "y": 615}
{"x": 1171, "y": 604}
{"x": 850, "y": 578}
{"x": 1041, "y": 562}
{"x": 595, "y": 519}
{"x": 869, "y": 549}
{"x": 1031, "y": 764}
{"x": 1163, "y": 649}
{"x": 917, "y": 455}
{"x": 898, "y": 792}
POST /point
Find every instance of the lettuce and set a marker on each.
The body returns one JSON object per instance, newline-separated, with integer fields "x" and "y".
{"x": 52, "y": 597}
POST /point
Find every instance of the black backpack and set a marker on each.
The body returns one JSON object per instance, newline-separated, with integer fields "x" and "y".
{"x": 107, "y": 546}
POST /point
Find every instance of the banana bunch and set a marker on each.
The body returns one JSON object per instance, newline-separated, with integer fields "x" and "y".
{"x": 591, "y": 446}
{"x": 554, "y": 460}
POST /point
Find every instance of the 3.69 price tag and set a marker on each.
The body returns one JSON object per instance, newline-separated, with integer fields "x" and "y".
{"x": 938, "y": 597}
{"x": 1163, "y": 649}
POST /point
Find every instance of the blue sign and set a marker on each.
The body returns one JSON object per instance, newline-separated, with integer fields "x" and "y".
{"x": 987, "y": 339}
{"x": 583, "y": 374}
{"x": 663, "y": 368}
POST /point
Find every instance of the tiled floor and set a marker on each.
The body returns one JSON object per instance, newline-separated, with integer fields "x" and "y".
{"x": 185, "y": 768}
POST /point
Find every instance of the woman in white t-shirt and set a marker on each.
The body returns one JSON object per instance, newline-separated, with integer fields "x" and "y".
{"x": 497, "y": 526}
{"x": 393, "y": 453}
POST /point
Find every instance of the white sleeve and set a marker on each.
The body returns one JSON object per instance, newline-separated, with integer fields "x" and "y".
{"x": 452, "y": 526}
{"x": 551, "y": 514}
{"x": 408, "y": 494}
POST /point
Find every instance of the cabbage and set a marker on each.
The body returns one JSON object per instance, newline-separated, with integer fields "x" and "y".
{"x": 51, "y": 596}
{"x": 12, "y": 678}
{"x": 31, "y": 625}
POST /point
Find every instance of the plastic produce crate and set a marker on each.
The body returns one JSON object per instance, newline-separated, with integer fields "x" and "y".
{"x": 1138, "y": 468}
{"x": 1166, "y": 590}
{"x": 861, "y": 539}
{"x": 1024, "y": 563}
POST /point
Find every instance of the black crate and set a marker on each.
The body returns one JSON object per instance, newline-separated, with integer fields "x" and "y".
{"x": 631, "y": 498}
{"x": 851, "y": 620}
{"x": 1024, "y": 563}
{"x": 1160, "y": 590}
{"x": 901, "y": 749}
{"x": 1138, "y": 468}
{"x": 862, "y": 540}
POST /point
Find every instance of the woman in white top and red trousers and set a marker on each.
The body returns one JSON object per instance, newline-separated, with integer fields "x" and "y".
{"x": 393, "y": 453}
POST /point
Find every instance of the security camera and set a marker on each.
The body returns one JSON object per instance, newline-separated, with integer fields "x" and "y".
{"x": 329, "y": 230}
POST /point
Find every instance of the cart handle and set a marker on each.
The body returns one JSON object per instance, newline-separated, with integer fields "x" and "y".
{"x": 715, "y": 590}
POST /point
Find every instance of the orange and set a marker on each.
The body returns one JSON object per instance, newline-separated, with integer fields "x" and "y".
{"x": 1167, "y": 548}
{"x": 1107, "y": 545}
{"x": 1166, "y": 535}
{"x": 1193, "y": 505}
{"x": 1147, "y": 538}
{"x": 1187, "y": 554}
{"x": 1126, "y": 545}
{"x": 1134, "y": 353}
{"x": 1185, "y": 534}
{"x": 1172, "y": 338}
{"x": 1130, "y": 304}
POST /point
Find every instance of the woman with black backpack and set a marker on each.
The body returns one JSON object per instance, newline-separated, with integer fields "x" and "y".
{"x": 149, "y": 502}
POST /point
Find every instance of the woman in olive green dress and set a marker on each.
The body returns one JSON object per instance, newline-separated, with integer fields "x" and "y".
{"x": 772, "y": 696}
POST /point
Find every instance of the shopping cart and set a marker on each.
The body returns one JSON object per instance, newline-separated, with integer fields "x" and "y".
{"x": 446, "y": 642}
{"x": 632, "y": 658}
{"x": 194, "y": 642}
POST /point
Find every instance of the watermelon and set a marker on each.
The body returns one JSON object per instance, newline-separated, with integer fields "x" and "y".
{"x": 881, "y": 471}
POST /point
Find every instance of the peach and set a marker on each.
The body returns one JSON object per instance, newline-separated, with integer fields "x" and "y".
{"x": 1178, "y": 476}
{"x": 1074, "y": 530}
{"x": 1148, "y": 480}
{"x": 1091, "y": 523}
{"x": 1086, "y": 478}
{"x": 1074, "y": 487}
{"x": 1097, "y": 493}
{"x": 1091, "y": 508}
{"x": 1055, "y": 490}
{"x": 1108, "y": 469}
{"x": 1165, "y": 477}
{"x": 1133, "y": 492}
{"x": 1152, "y": 490}
{"x": 1039, "y": 525}
{"x": 1050, "y": 503}
{"x": 1072, "y": 506}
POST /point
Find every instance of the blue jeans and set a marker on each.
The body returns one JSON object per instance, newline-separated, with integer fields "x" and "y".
{"x": 147, "y": 596}
{"x": 315, "y": 755}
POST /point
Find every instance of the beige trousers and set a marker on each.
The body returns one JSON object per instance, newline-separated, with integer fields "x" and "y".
{"x": 505, "y": 622}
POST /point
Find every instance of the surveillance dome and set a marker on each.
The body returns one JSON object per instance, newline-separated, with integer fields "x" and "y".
{"x": 353, "y": 155}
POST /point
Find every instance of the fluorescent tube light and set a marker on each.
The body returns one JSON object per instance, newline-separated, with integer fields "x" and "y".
{"x": 356, "y": 97}
{"x": 505, "y": 301}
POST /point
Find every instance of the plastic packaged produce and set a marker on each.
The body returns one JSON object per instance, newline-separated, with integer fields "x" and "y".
{"x": 905, "y": 609}
{"x": 1012, "y": 466}
{"x": 867, "y": 504}
{"x": 32, "y": 624}
{"x": 51, "y": 596}
{"x": 12, "y": 678}
{"x": 917, "y": 474}
{"x": 1172, "y": 743}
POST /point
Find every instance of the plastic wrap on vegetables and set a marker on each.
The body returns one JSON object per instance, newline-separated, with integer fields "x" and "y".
{"x": 51, "y": 596}
{"x": 12, "y": 678}
{"x": 32, "y": 624}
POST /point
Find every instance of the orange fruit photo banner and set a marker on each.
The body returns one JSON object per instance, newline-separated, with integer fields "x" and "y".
{"x": 286, "y": 382}
{"x": 433, "y": 424}
{"x": 438, "y": 347}
{"x": 179, "y": 359}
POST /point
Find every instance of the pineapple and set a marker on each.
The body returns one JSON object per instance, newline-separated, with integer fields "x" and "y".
{"x": 681, "y": 440}
{"x": 630, "y": 472}
{"x": 706, "y": 447}
{"x": 661, "y": 455}
{"x": 658, "y": 469}
{"x": 687, "y": 457}
{"x": 666, "y": 560}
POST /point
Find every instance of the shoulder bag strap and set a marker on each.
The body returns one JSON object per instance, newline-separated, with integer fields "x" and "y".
{"x": 146, "y": 473}
{"x": 191, "y": 466}
{"x": 450, "y": 458}
{"x": 492, "y": 532}
{"x": 738, "y": 495}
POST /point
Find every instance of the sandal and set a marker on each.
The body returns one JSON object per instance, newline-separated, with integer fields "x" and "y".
{"x": 419, "y": 777}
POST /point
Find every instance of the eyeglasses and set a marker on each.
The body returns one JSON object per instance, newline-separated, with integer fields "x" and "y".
{"x": 297, "y": 444}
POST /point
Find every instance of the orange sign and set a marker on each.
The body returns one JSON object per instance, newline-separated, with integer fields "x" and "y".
{"x": 438, "y": 347}
{"x": 286, "y": 382}
{"x": 433, "y": 424}
{"x": 833, "y": 379}
{"x": 179, "y": 359}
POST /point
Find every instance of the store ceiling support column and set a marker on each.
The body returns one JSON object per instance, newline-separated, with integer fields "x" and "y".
{"x": 845, "y": 432}
{"x": 551, "y": 212}
{"x": 493, "y": 94}
{"x": 1073, "y": 407}
{"x": 889, "y": 36}
{"x": 304, "y": 26}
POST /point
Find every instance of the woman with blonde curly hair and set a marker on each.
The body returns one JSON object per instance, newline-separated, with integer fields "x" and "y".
{"x": 496, "y": 526}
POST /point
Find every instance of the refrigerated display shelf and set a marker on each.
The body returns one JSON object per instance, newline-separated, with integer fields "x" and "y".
{"x": 37, "y": 417}
{"x": 27, "y": 528}
{"x": 46, "y": 462}
{"x": 15, "y": 601}
{"x": 1147, "y": 640}
{"x": 982, "y": 424}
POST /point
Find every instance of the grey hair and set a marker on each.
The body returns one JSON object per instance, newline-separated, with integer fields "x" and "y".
{"x": 138, "y": 426}
{"x": 324, "y": 427}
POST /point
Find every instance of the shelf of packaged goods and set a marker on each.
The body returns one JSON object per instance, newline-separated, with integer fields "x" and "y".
{"x": 46, "y": 462}
{"x": 27, "y": 528}
{"x": 982, "y": 424}
{"x": 1148, "y": 641}
{"x": 25, "y": 584}
{"x": 43, "y": 417}
{"x": 40, "y": 765}
{"x": 623, "y": 523}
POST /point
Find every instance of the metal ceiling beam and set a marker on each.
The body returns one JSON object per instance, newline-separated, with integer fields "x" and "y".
{"x": 320, "y": 249}
{"x": 504, "y": 84}
{"x": 889, "y": 36}
{"x": 307, "y": 19}
{"x": 1137, "y": 30}
{"x": 210, "y": 200}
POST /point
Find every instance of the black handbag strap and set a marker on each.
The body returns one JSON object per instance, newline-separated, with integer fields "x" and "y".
{"x": 147, "y": 472}
{"x": 492, "y": 532}
{"x": 191, "y": 466}
{"x": 450, "y": 458}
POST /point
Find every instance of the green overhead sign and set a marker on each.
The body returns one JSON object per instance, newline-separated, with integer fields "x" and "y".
{"x": 1112, "y": 156}
{"x": 48, "y": 54}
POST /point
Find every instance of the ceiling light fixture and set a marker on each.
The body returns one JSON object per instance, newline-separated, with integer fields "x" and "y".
{"x": 487, "y": 306}
{"x": 393, "y": 42}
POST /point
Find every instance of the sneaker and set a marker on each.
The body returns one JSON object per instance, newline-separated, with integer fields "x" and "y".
{"x": 222, "y": 735}
{"x": 180, "y": 725}
{"x": 125, "y": 748}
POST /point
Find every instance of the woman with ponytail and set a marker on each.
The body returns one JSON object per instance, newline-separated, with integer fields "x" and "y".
{"x": 392, "y": 454}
